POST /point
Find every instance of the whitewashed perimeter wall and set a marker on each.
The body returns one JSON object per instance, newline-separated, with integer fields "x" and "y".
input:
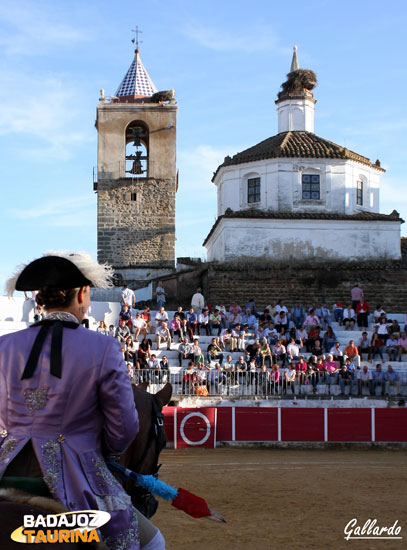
{"x": 19, "y": 310}
{"x": 301, "y": 239}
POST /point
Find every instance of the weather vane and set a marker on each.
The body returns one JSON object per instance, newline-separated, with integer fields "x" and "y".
{"x": 136, "y": 40}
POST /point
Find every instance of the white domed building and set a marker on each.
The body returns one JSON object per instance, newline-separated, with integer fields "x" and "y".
{"x": 296, "y": 195}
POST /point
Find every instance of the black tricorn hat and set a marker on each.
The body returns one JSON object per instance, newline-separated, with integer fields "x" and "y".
{"x": 53, "y": 271}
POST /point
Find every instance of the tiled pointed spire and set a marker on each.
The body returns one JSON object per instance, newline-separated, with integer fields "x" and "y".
{"x": 137, "y": 82}
{"x": 294, "y": 63}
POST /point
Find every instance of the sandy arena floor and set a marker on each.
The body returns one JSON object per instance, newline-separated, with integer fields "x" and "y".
{"x": 285, "y": 499}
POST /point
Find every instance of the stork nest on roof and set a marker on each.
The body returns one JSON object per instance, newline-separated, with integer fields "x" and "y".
{"x": 298, "y": 82}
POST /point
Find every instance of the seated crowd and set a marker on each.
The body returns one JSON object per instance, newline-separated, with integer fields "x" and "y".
{"x": 277, "y": 337}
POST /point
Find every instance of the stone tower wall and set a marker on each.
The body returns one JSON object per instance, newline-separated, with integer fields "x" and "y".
{"x": 136, "y": 215}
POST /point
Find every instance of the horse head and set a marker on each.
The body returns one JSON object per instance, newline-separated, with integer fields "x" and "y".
{"x": 142, "y": 455}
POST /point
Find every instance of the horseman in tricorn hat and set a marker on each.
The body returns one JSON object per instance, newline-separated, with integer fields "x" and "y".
{"x": 66, "y": 402}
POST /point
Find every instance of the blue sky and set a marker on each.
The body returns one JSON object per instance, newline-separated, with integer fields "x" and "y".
{"x": 226, "y": 61}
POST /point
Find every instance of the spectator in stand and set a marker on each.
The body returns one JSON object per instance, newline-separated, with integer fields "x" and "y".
{"x": 382, "y": 328}
{"x": 337, "y": 309}
{"x": 281, "y": 321}
{"x": 214, "y": 352}
{"x": 293, "y": 350}
{"x": 301, "y": 368}
{"x": 226, "y": 337}
{"x": 122, "y": 332}
{"x": 264, "y": 381}
{"x": 143, "y": 353}
{"x": 289, "y": 378}
{"x": 331, "y": 370}
{"x": 376, "y": 347}
{"x": 197, "y": 352}
{"x": 112, "y": 331}
{"x": 198, "y": 301}
{"x": 279, "y": 352}
{"x": 146, "y": 315}
{"x": 392, "y": 380}
{"x": 356, "y": 294}
{"x": 364, "y": 346}
{"x": 185, "y": 351}
{"x": 261, "y": 332}
{"x": 126, "y": 317}
{"x": 265, "y": 352}
{"x": 252, "y": 306}
{"x": 378, "y": 313}
{"x": 351, "y": 367}
{"x": 241, "y": 369}
{"x": 337, "y": 353}
{"x": 164, "y": 365}
{"x": 351, "y": 352}
{"x": 203, "y": 321}
{"x": 317, "y": 349}
{"x": 313, "y": 373}
{"x": 223, "y": 315}
{"x": 237, "y": 334}
{"x": 297, "y": 315}
{"x": 324, "y": 316}
{"x": 265, "y": 317}
{"x": 248, "y": 336}
{"x": 272, "y": 334}
{"x": 301, "y": 335}
{"x": 181, "y": 315}
{"x": 314, "y": 334}
{"x": 130, "y": 351}
{"x": 329, "y": 339}
{"x": 280, "y": 306}
{"x": 378, "y": 380}
{"x": 349, "y": 317}
{"x": 163, "y": 335}
{"x": 153, "y": 363}
{"x": 253, "y": 352}
{"x": 235, "y": 309}
{"x": 176, "y": 328}
{"x": 275, "y": 378}
{"x": 192, "y": 322}
{"x": 402, "y": 345}
{"x": 128, "y": 297}
{"x": 215, "y": 377}
{"x": 201, "y": 371}
{"x": 311, "y": 320}
{"x": 364, "y": 380}
{"x": 345, "y": 379}
{"x": 161, "y": 317}
{"x": 139, "y": 326}
{"x": 392, "y": 347}
{"x": 189, "y": 379}
{"x": 362, "y": 312}
{"x": 102, "y": 328}
{"x": 235, "y": 318}
{"x": 395, "y": 329}
{"x": 250, "y": 319}
{"x": 215, "y": 321}
{"x": 160, "y": 294}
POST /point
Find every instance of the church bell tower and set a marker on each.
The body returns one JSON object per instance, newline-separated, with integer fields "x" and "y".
{"x": 136, "y": 177}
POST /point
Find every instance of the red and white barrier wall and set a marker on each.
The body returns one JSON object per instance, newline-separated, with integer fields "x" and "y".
{"x": 205, "y": 426}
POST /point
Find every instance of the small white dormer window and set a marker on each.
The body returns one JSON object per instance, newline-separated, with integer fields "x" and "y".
{"x": 311, "y": 187}
{"x": 253, "y": 190}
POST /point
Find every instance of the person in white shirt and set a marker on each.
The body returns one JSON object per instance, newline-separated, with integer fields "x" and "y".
{"x": 289, "y": 378}
{"x": 349, "y": 317}
{"x": 163, "y": 335}
{"x": 203, "y": 321}
{"x": 161, "y": 316}
{"x": 293, "y": 350}
{"x": 139, "y": 326}
{"x": 128, "y": 297}
{"x": 402, "y": 345}
{"x": 364, "y": 380}
{"x": 198, "y": 301}
{"x": 280, "y": 307}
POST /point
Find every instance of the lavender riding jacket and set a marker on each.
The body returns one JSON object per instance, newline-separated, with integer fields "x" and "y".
{"x": 69, "y": 420}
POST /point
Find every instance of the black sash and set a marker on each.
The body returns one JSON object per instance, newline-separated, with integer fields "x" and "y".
{"x": 56, "y": 346}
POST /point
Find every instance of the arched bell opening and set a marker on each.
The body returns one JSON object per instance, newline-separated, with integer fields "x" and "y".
{"x": 136, "y": 150}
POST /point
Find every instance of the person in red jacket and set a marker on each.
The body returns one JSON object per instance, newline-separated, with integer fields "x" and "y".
{"x": 362, "y": 311}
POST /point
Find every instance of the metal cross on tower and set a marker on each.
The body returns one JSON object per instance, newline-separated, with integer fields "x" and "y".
{"x": 136, "y": 40}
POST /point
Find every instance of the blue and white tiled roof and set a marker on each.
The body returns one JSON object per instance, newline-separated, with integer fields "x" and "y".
{"x": 137, "y": 81}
